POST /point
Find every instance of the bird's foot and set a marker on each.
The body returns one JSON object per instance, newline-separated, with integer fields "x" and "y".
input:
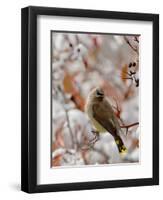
{"x": 96, "y": 137}
{"x": 93, "y": 141}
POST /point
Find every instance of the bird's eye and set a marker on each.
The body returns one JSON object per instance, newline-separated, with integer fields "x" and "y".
{"x": 99, "y": 93}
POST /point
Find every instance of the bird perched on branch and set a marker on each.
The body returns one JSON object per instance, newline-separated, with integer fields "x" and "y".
{"x": 103, "y": 117}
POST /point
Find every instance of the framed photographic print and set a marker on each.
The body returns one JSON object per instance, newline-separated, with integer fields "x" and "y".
{"x": 90, "y": 99}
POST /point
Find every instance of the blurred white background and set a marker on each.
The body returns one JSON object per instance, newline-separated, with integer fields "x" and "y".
{"x": 10, "y": 79}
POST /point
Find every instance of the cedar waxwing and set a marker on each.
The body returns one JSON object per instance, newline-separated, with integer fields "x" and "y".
{"x": 103, "y": 117}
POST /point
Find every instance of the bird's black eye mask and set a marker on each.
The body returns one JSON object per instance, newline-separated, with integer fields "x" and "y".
{"x": 99, "y": 93}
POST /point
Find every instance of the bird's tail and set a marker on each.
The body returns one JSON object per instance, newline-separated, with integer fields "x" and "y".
{"x": 120, "y": 145}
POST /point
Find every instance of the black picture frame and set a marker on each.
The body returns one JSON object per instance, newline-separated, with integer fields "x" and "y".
{"x": 29, "y": 98}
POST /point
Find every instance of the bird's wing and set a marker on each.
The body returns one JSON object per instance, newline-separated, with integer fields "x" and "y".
{"x": 103, "y": 114}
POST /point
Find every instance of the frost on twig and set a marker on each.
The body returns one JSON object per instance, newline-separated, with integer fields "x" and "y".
{"x": 68, "y": 120}
{"x": 133, "y": 42}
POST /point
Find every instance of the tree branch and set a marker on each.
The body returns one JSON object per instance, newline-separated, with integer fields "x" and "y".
{"x": 128, "y": 42}
{"x": 130, "y": 125}
{"x": 67, "y": 118}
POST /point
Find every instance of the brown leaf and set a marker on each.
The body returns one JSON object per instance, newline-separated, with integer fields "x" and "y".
{"x": 68, "y": 83}
{"x": 59, "y": 141}
{"x": 56, "y": 160}
{"x": 124, "y": 73}
{"x": 69, "y": 87}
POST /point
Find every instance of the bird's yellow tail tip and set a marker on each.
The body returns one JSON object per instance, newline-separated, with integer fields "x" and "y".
{"x": 123, "y": 150}
{"x": 121, "y": 147}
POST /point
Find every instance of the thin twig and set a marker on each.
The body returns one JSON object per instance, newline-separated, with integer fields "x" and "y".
{"x": 67, "y": 118}
{"x": 91, "y": 143}
{"x": 136, "y": 39}
{"x": 130, "y": 125}
{"x": 128, "y": 42}
{"x": 118, "y": 110}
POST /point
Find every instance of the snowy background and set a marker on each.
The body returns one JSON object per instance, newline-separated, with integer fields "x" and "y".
{"x": 81, "y": 62}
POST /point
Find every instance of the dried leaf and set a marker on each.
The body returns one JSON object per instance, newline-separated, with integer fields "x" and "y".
{"x": 59, "y": 141}
{"x": 124, "y": 71}
{"x": 69, "y": 87}
{"x": 56, "y": 160}
{"x": 68, "y": 83}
